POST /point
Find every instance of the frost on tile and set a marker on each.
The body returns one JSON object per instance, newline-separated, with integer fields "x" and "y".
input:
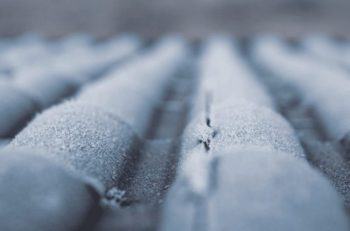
{"x": 133, "y": 91}
{"x": 326, "y": 49}
{"x": 227, "y": 77}
{"x": 82, "y": 137}
{"x": 126, "y": 95}
{"x": 243, "y": 124}
{"x": 38, "y": 194}
{"x": 328, "y": 157}
{"x": 157, "y": 166}
{"x": 224, "y": 80}
{"x": 251, "y": 189}
{"x": 323, "y": 87}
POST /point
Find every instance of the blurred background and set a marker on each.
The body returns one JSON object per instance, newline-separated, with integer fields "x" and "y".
{"x": 193, "y": 18}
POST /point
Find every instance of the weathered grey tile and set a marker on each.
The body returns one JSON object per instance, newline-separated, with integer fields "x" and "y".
{"x": 46, "y": 88}
{"x": 243, "y": 124}
{"x": 82, "y": 137}
{"x": 16, "y": 109}
{"x": 38, "y": 194}
{"x": 251, "y": 189}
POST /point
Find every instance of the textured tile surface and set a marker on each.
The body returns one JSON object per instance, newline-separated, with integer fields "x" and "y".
{"x": 219, "y": 134}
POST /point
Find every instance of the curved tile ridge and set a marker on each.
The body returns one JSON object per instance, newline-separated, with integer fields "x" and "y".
{"x": 322, "y": 87}
{"x": 224, "y": 77}
{"x": 39, "y": 194}
{"x": 47, "y": 89}
{"x": 135, "y": 90}
{"x": 82, "y": 137}
{"x": 327, "y": 49}
{"x": 53, "y": 78}
{"x": 243, "y": 123}
{"x": 250, "y": 189}
{"x": 83, "y": 62}
{"x": 16, "y": 109}
{"x": 244, "y": 115}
